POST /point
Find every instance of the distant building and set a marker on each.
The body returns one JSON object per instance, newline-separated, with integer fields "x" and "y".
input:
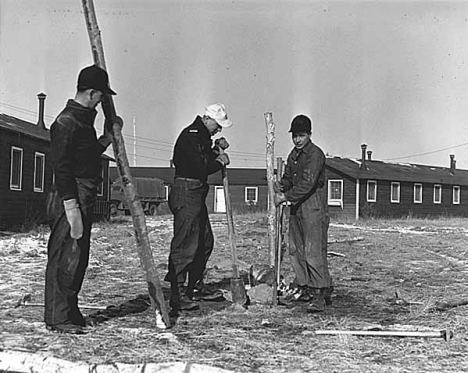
{"x": 368, "y": 188}
{"x": 247, "y": 186}
{"x": 356, "y": 188}
{"x": 26, "y": 174}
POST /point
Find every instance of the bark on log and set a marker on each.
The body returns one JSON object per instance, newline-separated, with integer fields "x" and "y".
{"x": 270, "y": 156}
{"x": 158, "y": 303}
{"x": 24, "y": 362}
{"x": 270, "y": 170}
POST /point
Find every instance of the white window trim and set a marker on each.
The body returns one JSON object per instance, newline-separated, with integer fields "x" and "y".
{"x": 414, "y": 192}
{"x": 367, "y": 194}
{"x": 166, "y": 192}
{"x": 255, "y": 201}
{"x": 438, "y": 186}
{"x": 35, "y": 188}
{"x": 16, "y": 187}
{"x": 457, "y": 189}
{"x": 397, "y": 184}
{"x": 334, "y": 201}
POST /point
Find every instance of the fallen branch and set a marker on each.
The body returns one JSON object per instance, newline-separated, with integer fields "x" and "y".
{"x": 85, "y": 306}
{"x": 334, "y": 253}
{"x": 349, "y": 240}
{"x": 23, "y": 362}
{"x": 445, "y": 334}
{"x": 444, "y": 306}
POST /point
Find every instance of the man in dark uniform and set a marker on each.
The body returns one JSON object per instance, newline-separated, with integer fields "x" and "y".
{"x": 76, "y": 156}
{"x": 194, "y": 158}
{"x": 303, "y": 185}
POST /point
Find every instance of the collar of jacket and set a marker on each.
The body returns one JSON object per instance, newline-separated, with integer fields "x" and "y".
{"x": 306, "y": 149}
{"x": 82, "y": 113}
{"x": 203, "y": 131}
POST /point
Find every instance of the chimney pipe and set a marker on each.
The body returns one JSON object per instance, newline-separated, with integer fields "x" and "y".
{"x": 369, "y": 155}
{"x": 40, "y": 123}
{"x": 452, "y": 164}
{"x": 363, "y": 157}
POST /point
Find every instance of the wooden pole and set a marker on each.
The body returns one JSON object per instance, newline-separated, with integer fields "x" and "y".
{"x": 279, "y": 225}
{"x": 156, "y": 294}
{"x": 446, "y": 334}
{"x": 270, "y": 171}
{"x": 271, "y": 217}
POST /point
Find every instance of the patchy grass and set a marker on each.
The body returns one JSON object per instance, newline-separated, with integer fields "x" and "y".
{"x": 391, "y": 279}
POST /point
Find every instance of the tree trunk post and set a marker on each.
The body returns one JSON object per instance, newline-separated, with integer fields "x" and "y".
{"x": 156, "y": 294}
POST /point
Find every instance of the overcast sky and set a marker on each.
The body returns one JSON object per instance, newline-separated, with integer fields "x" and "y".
{"x": 389, "y": 74}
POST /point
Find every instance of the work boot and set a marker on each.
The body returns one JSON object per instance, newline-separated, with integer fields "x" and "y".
{"x": 327, "y": 292}
{"x": 317, "y": 302}
{"x": 179, "y": 300}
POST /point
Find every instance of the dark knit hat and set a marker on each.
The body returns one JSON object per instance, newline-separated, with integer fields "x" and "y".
{"x": 301, "y": 123}
{"x": 96, "y": 78}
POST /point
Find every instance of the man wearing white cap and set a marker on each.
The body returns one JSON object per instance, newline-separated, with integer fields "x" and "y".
{"x": 194, "y": 158}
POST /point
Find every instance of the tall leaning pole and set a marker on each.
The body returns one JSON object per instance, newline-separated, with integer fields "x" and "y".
{"x": 158, "y": 304}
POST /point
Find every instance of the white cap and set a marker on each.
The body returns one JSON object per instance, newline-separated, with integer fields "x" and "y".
{"x": 218, "y": 113}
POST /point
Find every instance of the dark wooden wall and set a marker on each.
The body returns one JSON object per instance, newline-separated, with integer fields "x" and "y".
{"x": 18, "y": 207}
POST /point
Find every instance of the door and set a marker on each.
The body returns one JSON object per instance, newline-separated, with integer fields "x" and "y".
{"x": 220, "y": 202}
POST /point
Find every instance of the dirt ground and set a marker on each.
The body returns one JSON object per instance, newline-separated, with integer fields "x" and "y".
{"x": 389, "y": 275}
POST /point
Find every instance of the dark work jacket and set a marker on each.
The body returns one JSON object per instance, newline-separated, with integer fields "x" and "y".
{"x": 193, "y": 154}
{"x": 304, "y": 178}
{"x": 75, "y": 149}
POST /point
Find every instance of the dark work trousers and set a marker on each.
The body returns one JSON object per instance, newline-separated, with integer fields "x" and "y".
{"x": 193, "y": 240}
{"x": 308, "y": 236}
{"x": 67, "y": 260}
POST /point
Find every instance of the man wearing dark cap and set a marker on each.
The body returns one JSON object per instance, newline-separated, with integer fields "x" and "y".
{"x": 303, "y": 185}
{"x": 194, "y": 158}
{"x": 76, "y": 156}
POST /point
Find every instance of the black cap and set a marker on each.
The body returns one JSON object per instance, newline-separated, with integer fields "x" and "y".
{"x": 96, "y": 78}
{"x": 301, "y": 123}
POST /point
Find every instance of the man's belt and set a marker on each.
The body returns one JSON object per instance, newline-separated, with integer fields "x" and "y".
{"x": 186, "y": 178}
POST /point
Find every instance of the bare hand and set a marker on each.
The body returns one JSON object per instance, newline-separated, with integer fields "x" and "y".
{"x": 223, "y": 159}
{"x": 221, "y": 143}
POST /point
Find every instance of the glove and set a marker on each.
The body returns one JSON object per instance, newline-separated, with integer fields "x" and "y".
{"x": 221, "y": 143}
{"x": 279, "y": 198}
{"x": 223, "y": 159}
{"x": 278, "y": 187}
{"x": 73, "y": 213}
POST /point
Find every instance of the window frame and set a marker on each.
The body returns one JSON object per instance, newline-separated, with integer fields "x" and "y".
{"x": 458, "y": 191}
{"x": 19, "y": 186}
{"x": 247, "y": 201}
{"x": 397, "y": 184}
{"x": 335, "y": 201}
{"x": 39, "y": 189}
{"x": 437, "y": 187}
{"x": 369, "y": 182}
{"x": 414, "y": 193}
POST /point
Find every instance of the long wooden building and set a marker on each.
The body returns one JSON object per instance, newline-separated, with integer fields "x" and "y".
{"x": 356, "y": 188}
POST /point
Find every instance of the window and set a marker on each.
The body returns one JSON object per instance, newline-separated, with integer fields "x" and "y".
{"x": 417, "y": 193}
{"x": 39, "y": 166}
{"x": 456, "y": 195}
{"x": 437, "y": 194}
{"x": 335, "y": 192}
{"x": 251, "y": 195}
{"x": 16, "y": 168}
{"x": 372, "y": 191}
{"x": 395, "y": 192}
